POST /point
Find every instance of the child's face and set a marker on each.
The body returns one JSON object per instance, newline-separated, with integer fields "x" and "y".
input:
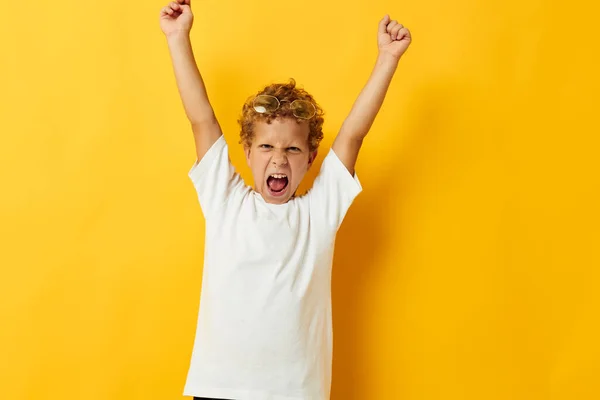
{"x": 279, "y": 157}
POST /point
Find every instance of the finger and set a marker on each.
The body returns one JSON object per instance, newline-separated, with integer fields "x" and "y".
{"x": 175, "y": 7}
{"x": 403, "y": 34}
{"x": 166, "y": 11}
{"x": 383, "y": 24}
{"x": 395, "y": 30}
{"x": 391, "y": 26}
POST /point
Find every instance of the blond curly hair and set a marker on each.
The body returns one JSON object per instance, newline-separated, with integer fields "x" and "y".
{"x": 286, "y": 93}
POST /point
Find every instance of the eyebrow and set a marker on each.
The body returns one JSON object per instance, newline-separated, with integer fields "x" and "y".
{"x": 299, "y": 146}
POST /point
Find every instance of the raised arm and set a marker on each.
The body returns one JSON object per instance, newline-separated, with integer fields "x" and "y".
{"x": 393, "y": 39}
{"x": 176, "y": 21}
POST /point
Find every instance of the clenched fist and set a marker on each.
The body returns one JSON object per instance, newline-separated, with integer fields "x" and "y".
{"x": 393, "y": 38}
{"x": 176, "y": 17}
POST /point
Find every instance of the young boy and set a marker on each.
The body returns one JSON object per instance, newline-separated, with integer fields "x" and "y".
{"x": 264, "y": 328}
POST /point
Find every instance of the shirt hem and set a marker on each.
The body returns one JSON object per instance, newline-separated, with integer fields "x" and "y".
{"x": 236, "y": 394}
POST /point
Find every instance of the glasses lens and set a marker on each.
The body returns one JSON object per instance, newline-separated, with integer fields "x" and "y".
{"x": 303, "y": 109}
{"x": 265, "y": 104}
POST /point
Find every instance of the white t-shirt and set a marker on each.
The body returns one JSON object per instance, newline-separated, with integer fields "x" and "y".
{"x": 264, "y": 327}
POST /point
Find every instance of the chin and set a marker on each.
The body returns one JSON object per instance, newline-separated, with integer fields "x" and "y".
{"x": 278, "y": 198}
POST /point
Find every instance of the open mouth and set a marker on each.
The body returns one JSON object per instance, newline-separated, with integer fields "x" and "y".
{"x": 277, "y": 184}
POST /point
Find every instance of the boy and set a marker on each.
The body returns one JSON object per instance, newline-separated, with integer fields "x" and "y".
{"x": 264, "y": 328}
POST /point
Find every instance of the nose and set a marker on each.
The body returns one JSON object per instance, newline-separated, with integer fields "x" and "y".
{"x": 279, "y": 159}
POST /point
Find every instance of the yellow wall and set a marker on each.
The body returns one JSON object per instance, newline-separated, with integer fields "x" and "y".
{"x": 467, "y": 269}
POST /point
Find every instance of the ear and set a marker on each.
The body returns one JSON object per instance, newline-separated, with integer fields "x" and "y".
{"x": 312, "y": 157}
{"x": 247, "y": 150}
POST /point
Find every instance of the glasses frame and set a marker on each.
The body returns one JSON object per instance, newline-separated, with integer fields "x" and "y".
{"x": 298, "y": 101}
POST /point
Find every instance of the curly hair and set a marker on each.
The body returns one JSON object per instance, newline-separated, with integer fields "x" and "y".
{"x": 286, "y": 93}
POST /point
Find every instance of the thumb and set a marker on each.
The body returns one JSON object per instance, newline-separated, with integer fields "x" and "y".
{"x": 384, "y": 23}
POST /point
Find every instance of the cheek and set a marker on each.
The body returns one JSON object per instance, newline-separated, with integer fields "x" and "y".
{"x": 255, "y": 157}
{"x": 300, "y": 164}
{"x": 258, "y": 164}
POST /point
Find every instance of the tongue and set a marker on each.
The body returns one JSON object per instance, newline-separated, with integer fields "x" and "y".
{"x": 277, "y": 184}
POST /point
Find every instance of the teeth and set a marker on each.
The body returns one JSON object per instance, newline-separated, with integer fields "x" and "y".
{"x": 279, "y": 176}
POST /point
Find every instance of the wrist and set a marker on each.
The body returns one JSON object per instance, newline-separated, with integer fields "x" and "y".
{"x": 387, "y": 59}
{"x": 178, "y": 36}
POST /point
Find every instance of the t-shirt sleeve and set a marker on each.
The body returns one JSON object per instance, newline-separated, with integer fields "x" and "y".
{"x": 333, "y": 191}
{"x": 215, "y": 179}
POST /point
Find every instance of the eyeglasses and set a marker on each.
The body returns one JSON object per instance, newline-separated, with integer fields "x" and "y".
{"x": 266, "y": 104}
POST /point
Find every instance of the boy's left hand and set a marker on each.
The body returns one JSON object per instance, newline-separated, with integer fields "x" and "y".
{"x": 393, "y": 38}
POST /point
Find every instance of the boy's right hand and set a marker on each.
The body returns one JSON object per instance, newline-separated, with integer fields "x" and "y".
{"x": 176, "y": 17}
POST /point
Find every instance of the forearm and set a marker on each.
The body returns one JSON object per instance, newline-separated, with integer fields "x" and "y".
{"x": 367, "y": 105}
{"x": 189, "y": 81}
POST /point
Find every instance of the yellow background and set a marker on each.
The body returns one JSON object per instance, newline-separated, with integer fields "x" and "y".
{"x": 467, "y": 269}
